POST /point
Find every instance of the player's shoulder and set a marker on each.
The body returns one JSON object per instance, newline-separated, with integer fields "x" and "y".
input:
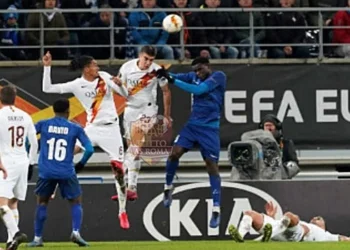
{"x": 129, "y": 66}
{"x": 155, "y": 66}
{"x": 219, "y": 73}
{"x": 104, "y": 74}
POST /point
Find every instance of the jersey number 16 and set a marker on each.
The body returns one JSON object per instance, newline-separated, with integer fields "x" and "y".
{"x": 57, "y": 149}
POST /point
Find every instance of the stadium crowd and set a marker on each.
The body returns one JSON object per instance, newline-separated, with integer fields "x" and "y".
{"x": 128, "y": 38}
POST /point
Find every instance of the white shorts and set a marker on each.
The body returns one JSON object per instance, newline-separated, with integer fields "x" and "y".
{"x": 268, "y": 220}
{"x": 15, "y": 185}
{"x": 108, "y": 138}
{"x": 144, "y": 117}
{"x": 317, "y": 234}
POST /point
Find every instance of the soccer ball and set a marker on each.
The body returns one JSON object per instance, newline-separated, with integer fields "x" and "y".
{"x": 172, "y": 23}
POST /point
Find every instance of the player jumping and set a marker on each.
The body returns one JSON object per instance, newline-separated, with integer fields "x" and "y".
{"x": 16, "y": 126}
{"x": 56, "y": 167}
{"x": 208, "y": 88}
{"x": 139, "y": 76}
{"x": 94, "y": 90}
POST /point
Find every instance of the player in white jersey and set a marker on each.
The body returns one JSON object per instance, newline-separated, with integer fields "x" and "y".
{"x": 289, "y": 228}
{"x": 94, "y": 89}
{"x": 16, "y": 126}
{"x": 139, "y": 76}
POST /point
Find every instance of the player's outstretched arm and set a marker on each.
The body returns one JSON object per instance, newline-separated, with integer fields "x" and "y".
{"x": 167, "y": 101}
{"x": 88, "y": 150}
{"x": 48, "y": 87}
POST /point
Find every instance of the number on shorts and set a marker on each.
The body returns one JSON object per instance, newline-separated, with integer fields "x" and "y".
{"x": 57, "y": 149}
{"x": 17, "y": 136}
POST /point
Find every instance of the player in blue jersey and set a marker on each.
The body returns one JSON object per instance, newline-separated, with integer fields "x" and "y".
{"x": 56, "y": 167}
{"x": 202, "y": 129}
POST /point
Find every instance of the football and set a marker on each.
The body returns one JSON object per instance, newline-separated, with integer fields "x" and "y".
{"x": 172, "y": 23}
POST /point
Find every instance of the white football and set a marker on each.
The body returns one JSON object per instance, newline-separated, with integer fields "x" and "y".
{"x": 172, "y": 23}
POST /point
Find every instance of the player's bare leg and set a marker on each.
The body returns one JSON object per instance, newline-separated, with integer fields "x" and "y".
{"x": 118, "y": 171}
{"x": 171, "y": 166}
{"x": 215, "y": 184}
{"x": 40, "y": 218}
{"x": 13, "y": 205}
{"x": 11, "y": 224}
{"x": 77, "y": 217}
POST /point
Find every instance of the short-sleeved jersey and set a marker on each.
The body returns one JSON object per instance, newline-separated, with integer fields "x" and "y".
{"x": 141, "y": 84}
{"x": 96, "y": 97}
{"x": 15, "y": 126}
{"x": 57, "y": 142}
{"x": 318, "y": 234}
{"x": 206, "y": 108}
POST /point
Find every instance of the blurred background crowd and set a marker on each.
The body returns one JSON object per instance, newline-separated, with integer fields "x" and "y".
{"x": 69, "y": 34}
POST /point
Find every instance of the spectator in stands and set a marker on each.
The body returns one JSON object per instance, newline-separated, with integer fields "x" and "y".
{"x": 218, "y": 36}
{"x": 242, "y": 36}
{"x": 191, "y": 36}
{"x": 102, "y": 37}
{"x": 342, "y": 35}
{"x": 51, "y": 19}
{"x": 157, "y": 37}
{"x": 286, "y": 36}
{"x": 12, "y": 36}
{"x": 289, "y": 156}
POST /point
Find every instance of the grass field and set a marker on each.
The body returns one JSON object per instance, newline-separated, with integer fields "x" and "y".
{"x": 197, "y": 245}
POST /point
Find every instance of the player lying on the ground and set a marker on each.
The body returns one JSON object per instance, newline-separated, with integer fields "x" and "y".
{"x": 56, "y": 167}
{"x": 208, "y": 88}
{"x": 140, "y": 114}
{"x": 289, "y": 228}
{"x": 94, "y": 89}
{"x": 16, "y": 126}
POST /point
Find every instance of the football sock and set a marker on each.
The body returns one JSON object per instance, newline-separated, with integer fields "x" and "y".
{"x": 215, "y": 184}
{"x": 245, "y": 225}
{"x": 40, "y": 217}
{"x": 77, "y": 216}
{"x": 281, "y": 226}
{"x": 9, "y": 220}
{"x": 16, "y": 215}
{"x": 133, "y": 167}
{"x": 171, "y": 167}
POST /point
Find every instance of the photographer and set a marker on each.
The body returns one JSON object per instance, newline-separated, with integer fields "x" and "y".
{"x": 289, "y": 156}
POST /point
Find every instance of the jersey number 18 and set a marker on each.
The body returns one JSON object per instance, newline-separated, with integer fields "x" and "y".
{"x": 57, "y": 149}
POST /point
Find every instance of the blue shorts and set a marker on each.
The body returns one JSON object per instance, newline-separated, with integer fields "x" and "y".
{"x": 69, "y": 188}
{"x": 207, "y": 138}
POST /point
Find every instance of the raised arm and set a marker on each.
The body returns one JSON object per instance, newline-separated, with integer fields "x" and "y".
{"x": 48, "y": 87}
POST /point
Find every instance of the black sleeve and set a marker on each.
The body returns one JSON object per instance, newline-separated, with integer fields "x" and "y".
{"x": 289, "y": 152}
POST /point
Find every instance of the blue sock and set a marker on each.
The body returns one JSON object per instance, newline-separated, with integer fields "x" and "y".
{"x": 40, "y": 217}
{"x": 77, "y": 216}
{"x": 171, "y": 167}
{"x": 215, "y": 184}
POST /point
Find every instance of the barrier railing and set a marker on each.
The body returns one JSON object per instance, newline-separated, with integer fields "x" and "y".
{"x": 319, "y": 44}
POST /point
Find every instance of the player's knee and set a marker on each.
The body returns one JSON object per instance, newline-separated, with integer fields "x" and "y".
{"x": 4, "y": 209}
{"x": 175, "y": 154}
{"x": 294, "y": 219}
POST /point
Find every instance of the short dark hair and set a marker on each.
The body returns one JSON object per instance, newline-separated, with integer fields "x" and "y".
{"x": 79, "y": 63}
{"x": 200, "y": 59}
{"x": 149, "y": 50}
{"x": 61, "y": 105}
{"x": 8, "y": 95}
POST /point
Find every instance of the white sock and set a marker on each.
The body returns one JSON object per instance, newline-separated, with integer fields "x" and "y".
{"x": 9, "y": 220}
{"x": 76, "y": 232}
{"x": 16, "y": 216}
{"x": 133, "y": 173}
{"x": 121, "y": 191}
{"x": 245, "y": 225}
{"x": 37, "y": 238}
{"x": 281, "y": 226}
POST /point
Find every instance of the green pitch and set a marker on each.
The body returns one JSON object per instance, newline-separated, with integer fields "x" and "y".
{"x": 197, "y": 245}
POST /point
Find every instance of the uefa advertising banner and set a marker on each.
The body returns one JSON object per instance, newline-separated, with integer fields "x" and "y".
{"x": 312, "y": 100}
{"x": 188, "y": 217}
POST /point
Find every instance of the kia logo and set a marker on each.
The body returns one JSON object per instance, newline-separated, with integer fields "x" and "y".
{"x": 191, "y": 209}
